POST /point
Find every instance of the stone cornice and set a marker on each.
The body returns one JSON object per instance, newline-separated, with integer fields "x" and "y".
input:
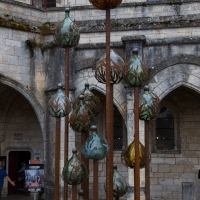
{"x": 155, "y": 2}
{"x": 99, "y": 45}
{"x": 173, "y": 41}
{"x": 155, "y": 42}
{"x": 141, "y": 23}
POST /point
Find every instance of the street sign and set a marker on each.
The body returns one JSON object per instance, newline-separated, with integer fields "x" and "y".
{"x": 34, "y": 178}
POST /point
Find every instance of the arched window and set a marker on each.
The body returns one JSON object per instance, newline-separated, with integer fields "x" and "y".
{"x": 44, "y": 3}
{"x": 118, "y": 130}
{"x": 165, "y": 136}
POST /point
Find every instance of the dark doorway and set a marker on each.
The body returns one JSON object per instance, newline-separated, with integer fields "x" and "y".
{"x": 15, "y": 159}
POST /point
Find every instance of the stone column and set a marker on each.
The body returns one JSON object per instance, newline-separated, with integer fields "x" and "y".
{"x": 131, "y": 42}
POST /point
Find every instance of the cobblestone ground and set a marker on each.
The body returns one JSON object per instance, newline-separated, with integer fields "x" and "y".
{"x": 18, "y": 197}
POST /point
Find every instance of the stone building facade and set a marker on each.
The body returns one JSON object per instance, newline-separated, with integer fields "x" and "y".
{"x": 167, "y": 34}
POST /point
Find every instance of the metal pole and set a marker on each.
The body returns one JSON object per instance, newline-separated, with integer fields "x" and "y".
{"x": 137, "y": 156}
{"x": 95, "y": 179}
{"x": 57, "y": 160}
{"x": 85, "y": 184}
{"x": 35, "y": 196}
{"x": 74, "y": 192}
{"x": 147, "y": 162}
{"x": 109, "y": 114}
{"x": 66, "y": 141}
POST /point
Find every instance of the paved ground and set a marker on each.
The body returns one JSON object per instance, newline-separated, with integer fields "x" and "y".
{"x": 18, "y": 197}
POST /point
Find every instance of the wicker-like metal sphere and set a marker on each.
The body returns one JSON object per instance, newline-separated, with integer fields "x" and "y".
{"x": 103, "y": 4}
{"x": 116, "y": 65}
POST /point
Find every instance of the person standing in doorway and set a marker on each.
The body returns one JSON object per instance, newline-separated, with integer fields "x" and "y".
{"x": 3, "y": 174}
{"x": 21, "y": 177}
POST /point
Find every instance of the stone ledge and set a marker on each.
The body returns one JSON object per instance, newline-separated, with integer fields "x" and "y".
{"x": 141, "y": 23}
{"x": 99, "y": 45}
{"x": 154, "y": 2}
{"x": 170, "y": 41}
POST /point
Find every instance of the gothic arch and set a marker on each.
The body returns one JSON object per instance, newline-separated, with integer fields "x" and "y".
{"x": 172, "y": 77}
{"x": 178, "y": 59}
{"x": 30, "y": 97}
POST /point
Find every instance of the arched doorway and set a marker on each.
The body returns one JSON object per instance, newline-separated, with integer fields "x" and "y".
{"x": 15, "y": 159}
{"x": 175, "y": 144}
{"x": 20, "y": 133}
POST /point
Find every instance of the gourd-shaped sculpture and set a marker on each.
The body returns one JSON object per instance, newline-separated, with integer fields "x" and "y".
{"x": 119, "y": 184}
{"x": 134, "y": 72}
{"x": 92, "y": 101}
{"x": 103, "y": 4}
{"x": 95, "y": 147}
{"x": 75, "y": 171}
{"x": 67, "y": 33}
{"x": 59, "y": 105}
{"x": 128, "y": 155}
{"x": 81, "y": 118}
{"x": 81, "y": 194}
{"x": 116, "y": 65}
{"x": 148, "y": 105}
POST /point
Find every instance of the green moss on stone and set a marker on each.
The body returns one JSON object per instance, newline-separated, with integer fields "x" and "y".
{"x": 10, "y": 23}
{"x": 45, "y": 28}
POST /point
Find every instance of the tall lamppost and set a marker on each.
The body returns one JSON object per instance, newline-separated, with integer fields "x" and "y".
{"x": 149, "y": 109}
{"x": 135, "y": 74}
{"x": 67, "y": 35}
{"x": 107, "y": 5}
{"x": 94, "y": 104}
{"x": 58, "y": 106}
{"x": 75, "y": 172}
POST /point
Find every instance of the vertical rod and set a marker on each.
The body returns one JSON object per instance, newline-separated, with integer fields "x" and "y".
{"x": 117, "y": 198}
{"x": 57, "y": 160}
{"x": 137, "y": 156}
{"x": 85, "y": 184}
{"x": 147, "y": 162}
{"x": 109, "y": 114}
{"x": 95, "y": 179}
{"x": 74, "y": 192}
{"x": 45, "y": 3}
{"x": 66, "y": 140}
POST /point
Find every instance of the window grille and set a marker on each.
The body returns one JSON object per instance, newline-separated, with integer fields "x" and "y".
{"x": 165, "y": 139}
{"x": 118, "y": 130}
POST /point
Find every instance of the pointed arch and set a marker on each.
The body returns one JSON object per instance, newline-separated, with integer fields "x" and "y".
{"x": 40, "y": 113}
{"x": 172, "y": 77}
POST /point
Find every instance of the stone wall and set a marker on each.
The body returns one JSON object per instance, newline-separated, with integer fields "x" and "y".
{"x": 170, "y": 170}
{"x": 170, "y": 48}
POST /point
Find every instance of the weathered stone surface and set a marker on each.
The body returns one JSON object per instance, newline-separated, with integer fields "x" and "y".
{"x": 188, "y": 191}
